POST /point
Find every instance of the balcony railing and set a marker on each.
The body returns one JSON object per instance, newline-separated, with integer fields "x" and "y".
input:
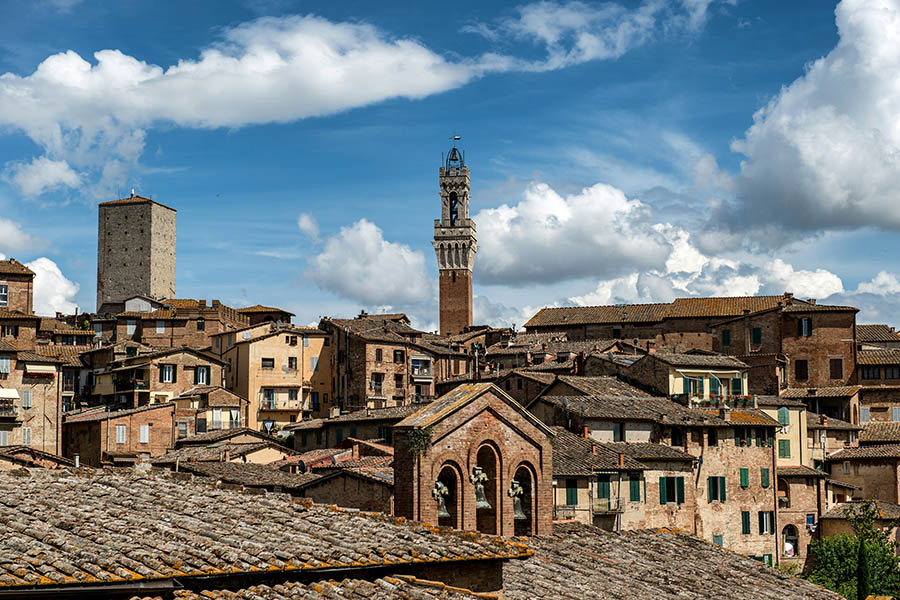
{"x": 9, "y": 411}
{"x": 597, "y": 506}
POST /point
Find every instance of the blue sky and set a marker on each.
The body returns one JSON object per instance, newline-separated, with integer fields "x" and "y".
{"x": 620, "y": 151}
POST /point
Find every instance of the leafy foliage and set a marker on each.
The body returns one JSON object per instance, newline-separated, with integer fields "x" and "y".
{"x": 860, "y": 564}
{"x": 420, "y": 440}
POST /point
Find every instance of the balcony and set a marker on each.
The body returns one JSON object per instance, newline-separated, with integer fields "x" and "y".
{"x": 601, "y": 506}
{"x": 9, "y": 412}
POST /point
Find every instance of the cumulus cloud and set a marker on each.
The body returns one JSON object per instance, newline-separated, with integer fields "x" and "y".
{"x": 41, "y": 175}
{"x": 13, "y": 239}
{"x": 359, "y": 264}
{"x": 495, "y": 314}
{"x": 53, "y": 292}
{"x": 825, "y": 152}
{"x": 882, "y": 284}
{"x": 549, "y": 238}
{"x": 802, "y": 283}
{"x": 308, "y": 226}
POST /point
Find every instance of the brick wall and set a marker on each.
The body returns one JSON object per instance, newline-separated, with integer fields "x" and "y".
{"x": 833, "y": 337}
{"x": 27, "y": 333}
{"x": 875, "y": 478}
{"x": 455, "y": 286}
{"x": 20, "y": 292}
{"x": 43, "y": 418}
{"x": 353, "y": 492}
{"x": 93, "y": 439}
{"x": 806, "y": 497}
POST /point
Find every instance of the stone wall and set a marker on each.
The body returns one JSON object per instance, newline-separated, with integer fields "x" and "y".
{"x": 45, "y": 415}
{"x": 875, "y": 478}
{"x": 20, "y": 292}
{"x": 351, "y": 491}
{"x": 92, "y": 440}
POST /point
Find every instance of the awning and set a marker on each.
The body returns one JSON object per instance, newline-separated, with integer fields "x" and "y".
{"x": 9, "y": 394}
{"x": 40, "y": 369}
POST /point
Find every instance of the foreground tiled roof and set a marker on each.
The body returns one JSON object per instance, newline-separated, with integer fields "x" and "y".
{"x": 844, "y": 391}
{"x": 576, "y": 455}
{"x": 876, "y": 333}
{"x": 815, "y": 421}
{"x": 384, "y": 588}
{"x": 603, "y": 386}
{"x": 59, "y": 528}
{"x": 878, "y": 357}
{"x": 880, "y": 432}
{"x": 249, "y": 474}
{"x": 887, "y": 451}
{"x": 14, "y": 267}
{"x": 582, "y": 315}
{"x": 885, "y": 509}
{"x": 699, "y": 360}
{"x": 579, "y": 561}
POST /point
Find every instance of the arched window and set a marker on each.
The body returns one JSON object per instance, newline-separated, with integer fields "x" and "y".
{"x": 789, "y": 535}
{"x": 450, "y": 477}
{"x": 454, "y": 207}
{"x": 525, "y": 480}
{"x": 486, "y": 518}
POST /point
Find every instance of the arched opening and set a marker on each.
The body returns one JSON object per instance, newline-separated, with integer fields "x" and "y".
{"x": 784, "y": 494}
{"x": 486, "y": 516}
{"x": 450, "y": 478}
{"x": 525, "y": 481}
{"x": 454, "y": 207}
{"x": 789, "y": 535}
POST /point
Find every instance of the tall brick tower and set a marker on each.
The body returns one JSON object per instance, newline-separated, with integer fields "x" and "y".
{"x": 135, "y": 251}
{"x": 455, "y": 245}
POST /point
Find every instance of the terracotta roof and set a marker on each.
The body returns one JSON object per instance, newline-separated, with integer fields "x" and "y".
{"x": 776, "y": 401}
{"x": 814, "y": 421}
{"x": 721, "y": 307}
{"x": 249, "y": 474}
{"x": 161, "y": 314}
{"x": 37, "y": 358}
{"x": 602, "y": 386}
{"x": 14, "y": 267}
{"x": 582, "y": 315}
{"x": 866, "y": 452}
{"x": 100, "y": 413}
{"x": 579, "y": 561}
{"x": 134, "y": 200}
{"x": 259, "y": 308}
{"x": 697, "y": 360}
{"x": 843, "y": 510}
{"x": 805, "y": 307}
{"x": 748, "y": 417}
{"x": 383, "y": 588}
{"x": 219, "y": 435}
{"x": 876, "y": 333}
{"x": 657, "y": 410}
{"x": 799, "y": 471}
{"x": 69, "y": 355}
{"x": 14, "y": 314}
{"x": 217, "y": 396}
{"x": 59, "y": 529}
{"x": 554, "y": 366}
{"x": 216, "y": 452}
{"x": 62, "y": 328}
{"x": 879, "y": 432}
{"x": 878, "y": 357}
{"x": 647, "y": 451}
{"x": 7, "y": 347}
{"x": 576, "y": 455}
{"x": 545, "y": 378}
{"x": 844, "y": 391}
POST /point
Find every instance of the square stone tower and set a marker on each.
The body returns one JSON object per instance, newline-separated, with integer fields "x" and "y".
{"x": 455, "y": 245}
{"x": 135, "y": 251}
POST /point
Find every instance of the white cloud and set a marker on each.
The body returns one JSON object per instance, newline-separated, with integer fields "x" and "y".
{"x": 802, "y": 283}
{"x": 308, "y": 226}
{"x": 547, "y": 237}
{"x": 13, "y": 239}
{"x": 825, "y": 152}
{"x": 41, "y": 175}
{"x": 52, "y": 291}
{"x": 486, "y": 312}
{"x": 359, "y": 264}
{"x": 882, "y": 284}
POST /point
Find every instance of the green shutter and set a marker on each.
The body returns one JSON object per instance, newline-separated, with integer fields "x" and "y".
{"x": 572, "y": 492}
{"x": 737, "y": 389}
{"x": 762, "y": 525}
{"x": 784, "y": 416}
{"x": 759, "y": 435}
{"x": 196, "y": 375}
{"x": 603, "y": 486}
{"x": 686, "y": 385}
{"x": 772, "y": 521}
{"x": 709, "y": 488}
{"x": 662, "y": 490}
{"x": 721, "y": 489}
{"x": 784, "y": 448}
{"x": 764, "y": 477}
{"x": 160, "y": 373}
{"x": 713, "y": 386}
{"x": 634, "y": 489}
{"x": 737, "y": 436}
{"x": 771, "y": 439}
{"x": 174, "y": 373}
{"x": 745, "y": 522}
{"x": 700, "y": 386}
{"x": 679, "y": 490}
{"x": 726, "y": 337}
{"x": 745, "y": 477}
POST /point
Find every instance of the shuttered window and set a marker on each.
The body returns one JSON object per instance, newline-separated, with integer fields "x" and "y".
{"x": 784, "y": 448}
{"x": 26, "y": 436}
{"x": 27, "y": 398}
{"x": 634, "y": 489}
{"x": 764, "y": 477}
{"x": 836, "y": 368}
{"x": 121, "y": 433}
{"x": 4, "y": 365}
{"x": 716, "y": 489}
{"x": 784, "y": 416}
{"x": 737, "y": 388}
{"x": 745, "y": 477}
{"x": 766, "y": 522}
{"x": 801, "y": 370}
{"x": 603, "y": 486}
{"x": 572, "y": 492}
{"x": 726, "y": 338}
{"x": 864, "y": 414}
{"x": 895, "y": 414}
{"x": 713, "y": 386}
{"x": 145, "y": 434}
{"x": 756, "y": 335}
{"x": 745, "y": 522}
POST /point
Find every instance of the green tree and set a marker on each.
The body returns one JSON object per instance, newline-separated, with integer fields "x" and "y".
{"x": 860, "y": 564}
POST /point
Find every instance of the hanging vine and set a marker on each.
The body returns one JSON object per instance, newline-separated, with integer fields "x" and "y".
{"x": 420, "y": 440}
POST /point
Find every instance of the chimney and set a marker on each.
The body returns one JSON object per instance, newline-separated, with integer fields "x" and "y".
{"x": 226, "y": 455}
{"x": 593, "y": 449}
{"x": 824, "y": 420}
{"x": 587, "y": 432}
{"x": 355, "y": 450}
{"x": 621, "y": 459}
{"x": 725, "y": 413}
{"x": 77, "y": 458}
{"x": 202, "y": 303}
{"x": 811, "y": 300}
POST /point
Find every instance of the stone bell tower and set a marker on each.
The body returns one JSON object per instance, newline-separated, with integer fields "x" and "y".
{"x": 455, "y": 244}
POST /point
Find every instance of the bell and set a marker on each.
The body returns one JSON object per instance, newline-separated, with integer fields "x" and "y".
{"x": 478, "y": 477}
{"x": 442, "y": 509}
{"x": 439, "y": 492}
{"x": 518, "y": 513}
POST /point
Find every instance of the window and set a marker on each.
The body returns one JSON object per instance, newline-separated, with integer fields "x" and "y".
{"x": 292, "y": 363}
{"x": 326, "y": 342}
{"x": 801, "y": 370}
{"x": 712, "y": 437}
{"x": 718, "y": 540}
{"x": 292, "y": 394}
{"x": 713, "y": 385}
{"x": 784, "y": 448}
{"x": 745, "y": 477}
{"x": 4, "y": 365}
{"x": 618, "y": 432}
{"x": 804, "y": 327}
{"x": 634, "y": 487}
{"x": 399, "y": 356}
{"x": 726, "y": 338}
{"x": 671, "y": 490}
{"x": 4, "y": 295}
{"x": 766, "y": 522}
{"x": 677, "y": 437}
{"x": 269, "y": 398}
{"x": 201, "y": 375}
{"x": 892, "y": 372}
{"x": 201, "y": 325}
{"x": 716, "y": 489}
{"x": 518, "y": 383}
{"x": 864, "y": 414}
{"x": 846, "y": 467}
{"x": 398, "y": 381}
{"x": 338, "y": 435}
{"x": 743, "y": 436}
{"x": 314, "y": 400}
{"x": 217, "y": 418}
{"x": 745, "y": 522}
{"x": 235, "y": 417}
{"x": 121, "y": 434}
{"x": 182, "y": 429}
{"x": 160, "y": 326}
{"x": 603, "y": 486}
{"x": 571, "y": 492}
{"x": 4, "y": 438}
{"x": 313, "y": 363}
{"x": 756, "y": 336}
{"x": 98, "y": 329}
{"x": 870, "y": 372}
{"x": 9, "y": 331}
{"x": 378, "y": 355}
{"x": 27, "y": 398}
{"x": 130, "y": 326}
{"x": 267, "y": 363}
{"x": 305, "y": 341}
{"x": 507, "y": 385}
{"x": 617, "y": 332}
{"x": 764, "y": 477}
{"x": 167, "y": 373}
{"x": 26, "y": 436}
{"x": 784, "y": 415}
{"x": 895, "y": 414}
{"x": 836, "y": 368}
{"x": 145, "y": 434}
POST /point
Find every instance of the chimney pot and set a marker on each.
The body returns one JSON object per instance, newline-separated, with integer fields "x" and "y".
{"x": 587, "y": 433}
{"x": 621, "y": 459}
